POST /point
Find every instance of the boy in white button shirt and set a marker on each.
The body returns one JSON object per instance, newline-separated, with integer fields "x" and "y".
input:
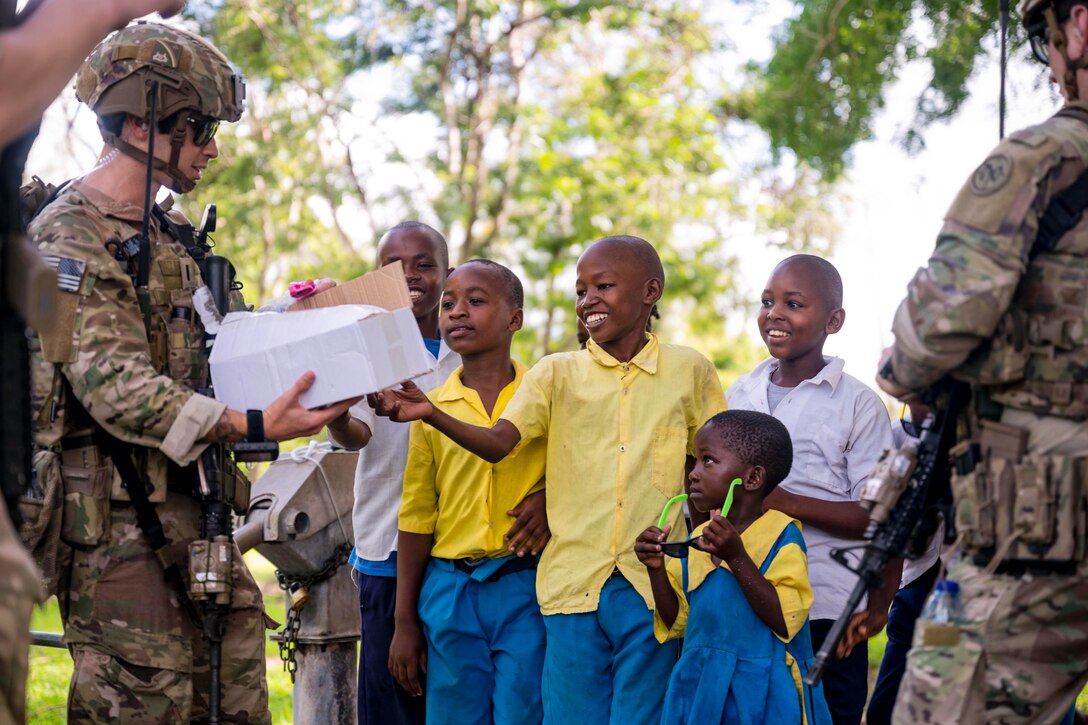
{"x": 839, "y": 428}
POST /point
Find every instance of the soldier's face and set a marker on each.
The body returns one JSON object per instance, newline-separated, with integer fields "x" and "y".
{"x": 193, "y": 158}
{"x": 794, "y": 318}
{"x": 1074, "y": 29}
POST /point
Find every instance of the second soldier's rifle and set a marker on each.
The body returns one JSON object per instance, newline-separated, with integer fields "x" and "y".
{"x": 905, "y": 495}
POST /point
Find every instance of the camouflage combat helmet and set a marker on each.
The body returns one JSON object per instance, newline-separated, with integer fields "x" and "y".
{"x": 192, "y": 76}
{"x": 1043, "y": 19}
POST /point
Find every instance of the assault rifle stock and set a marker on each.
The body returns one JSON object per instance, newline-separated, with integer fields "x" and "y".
{"x": 905, "y": 495}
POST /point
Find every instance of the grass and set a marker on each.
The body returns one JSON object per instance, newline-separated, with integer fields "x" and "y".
{"x": 51, "y": 669}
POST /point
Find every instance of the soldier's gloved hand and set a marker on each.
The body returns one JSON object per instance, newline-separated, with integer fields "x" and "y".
{"x": 887, "y": 383}
{"x": 285, "y": 418}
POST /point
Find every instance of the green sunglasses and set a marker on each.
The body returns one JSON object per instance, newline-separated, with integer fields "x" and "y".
{"x": 679, "y": 549}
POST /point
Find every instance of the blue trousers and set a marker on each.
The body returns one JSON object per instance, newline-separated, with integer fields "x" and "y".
{"x": 906, "y": 607}
{"x": 606, "y": 666}
{"x": 381, "y": 700}
{"x": 485, "y": 647}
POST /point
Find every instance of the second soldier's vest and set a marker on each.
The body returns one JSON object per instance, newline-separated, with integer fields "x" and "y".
{"x": 1037, "y": 359}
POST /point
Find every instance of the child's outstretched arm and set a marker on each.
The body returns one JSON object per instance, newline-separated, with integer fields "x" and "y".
{"x": 410, "y": 403}
{"x": 408, "y": 652}
{"x": 648, "y": 550}
{"x": 721, "y": 539}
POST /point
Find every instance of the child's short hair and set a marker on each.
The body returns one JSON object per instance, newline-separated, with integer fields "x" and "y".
{"x": 425, "y": 230}
{"x": 828, "y": 278}
{"x": 515, "y": 293}
{"x": 757, "y": 439}
{"x": 638, "y": 250}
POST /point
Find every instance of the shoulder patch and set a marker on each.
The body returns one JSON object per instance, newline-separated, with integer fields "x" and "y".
{"x": 69, "y": 272}
{"x": 991, "y": 175}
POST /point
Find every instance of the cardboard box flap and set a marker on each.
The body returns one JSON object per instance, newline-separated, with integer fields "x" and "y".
{"x": 384, "y": 287}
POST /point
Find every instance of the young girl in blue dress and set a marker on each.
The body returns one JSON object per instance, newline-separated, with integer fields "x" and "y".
{"x": 741, "y": 598}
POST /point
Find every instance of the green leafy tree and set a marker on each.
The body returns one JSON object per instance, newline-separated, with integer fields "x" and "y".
{"x": 555, "y": 122}
{"x": 833, "y": 62}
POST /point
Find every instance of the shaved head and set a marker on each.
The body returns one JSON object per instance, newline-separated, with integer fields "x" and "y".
{"x": 637, "y": 253}
{"x": 822, "y": 273}
{"x": 441, "y": 249}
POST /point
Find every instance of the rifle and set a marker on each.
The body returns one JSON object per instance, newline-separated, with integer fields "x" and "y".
{"x": 906, "y": 496}
{"x": 222, "y": 487}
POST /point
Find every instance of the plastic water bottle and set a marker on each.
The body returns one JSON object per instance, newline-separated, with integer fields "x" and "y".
{"x": 943, "y": 605}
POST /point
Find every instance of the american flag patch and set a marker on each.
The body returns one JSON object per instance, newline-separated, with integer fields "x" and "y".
{"x": 69, "y": 272}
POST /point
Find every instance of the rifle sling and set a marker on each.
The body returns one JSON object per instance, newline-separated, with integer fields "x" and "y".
{"x": 148, "y": 518}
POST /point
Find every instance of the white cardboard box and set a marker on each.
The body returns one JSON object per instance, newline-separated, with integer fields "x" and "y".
{"x": 354, "y": 349}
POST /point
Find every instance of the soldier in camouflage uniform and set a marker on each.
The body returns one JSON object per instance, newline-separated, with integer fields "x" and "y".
{"x": 104, "y": 371}
{"x": 1005, "y": 308}
{"x": 19, "y": 589}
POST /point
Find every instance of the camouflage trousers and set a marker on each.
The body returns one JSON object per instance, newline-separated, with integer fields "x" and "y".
{"x": 19, "y": 590}
{"x": 1021, "y": 656}
{"x": 138, "y": 657}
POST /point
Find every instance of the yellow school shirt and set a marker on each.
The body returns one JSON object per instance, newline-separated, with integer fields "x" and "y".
{"x": 458, "y": 496}
{"x": 618, "y": 438}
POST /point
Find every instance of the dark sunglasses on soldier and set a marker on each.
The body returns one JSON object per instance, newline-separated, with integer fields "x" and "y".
{"x": 1037, "y": 38}
{"x": 1040, "y": 46}
{"x": 204, "y": 128}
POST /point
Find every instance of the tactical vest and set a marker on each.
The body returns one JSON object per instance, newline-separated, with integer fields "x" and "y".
{"x": 1037, "y": 359}
{"x": 176, "y": 344}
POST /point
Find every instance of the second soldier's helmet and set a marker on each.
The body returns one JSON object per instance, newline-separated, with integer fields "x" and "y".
{"x": 1043, "y": 21}
{"x": 193, "y": 76}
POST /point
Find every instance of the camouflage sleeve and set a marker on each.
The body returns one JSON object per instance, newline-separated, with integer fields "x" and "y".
{"x": 100, "y": 342}
{"x": 955, "y": 303}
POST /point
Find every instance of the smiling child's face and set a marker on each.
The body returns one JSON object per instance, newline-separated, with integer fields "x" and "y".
{"x": 476, "y": 312}
{"x": 613, "y": 297}
{"x": 794, "y": 315}
{"x": 424, "y": 266}
{"x": 716, "y": 466}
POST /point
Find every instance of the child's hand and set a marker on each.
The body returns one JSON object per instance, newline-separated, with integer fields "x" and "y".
{"x": 408, "y": 657}
{"x": 408, "y": 403}
{"x": 529, "y": 533}
{"x": 862, "y": 626}
{"x": 721, "y": 539}
{"x": 648, "y": 547}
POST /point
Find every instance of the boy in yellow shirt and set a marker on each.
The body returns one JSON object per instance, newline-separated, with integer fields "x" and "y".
{"x": 620, "y": 418}
{"x": 466, "y": 611}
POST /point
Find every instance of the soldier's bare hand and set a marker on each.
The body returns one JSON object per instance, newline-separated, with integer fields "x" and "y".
{"x": 286, "y": 418}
